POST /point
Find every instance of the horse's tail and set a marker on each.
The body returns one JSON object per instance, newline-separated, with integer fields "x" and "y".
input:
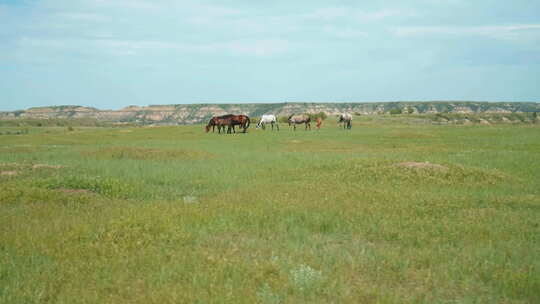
{"x": 248, "y": 122}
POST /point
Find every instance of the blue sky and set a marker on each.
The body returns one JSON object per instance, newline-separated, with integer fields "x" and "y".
{"x": 114, "y": 53}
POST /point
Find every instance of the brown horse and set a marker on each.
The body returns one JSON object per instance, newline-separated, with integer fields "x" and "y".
{"x": 220, "y": 121}
{"x": 239, "y": 120}
{"x": 229, "y": 121}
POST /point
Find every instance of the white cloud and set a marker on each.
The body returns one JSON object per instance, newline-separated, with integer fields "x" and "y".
{"x": 344, "y": 33}
{"x": 382, "y": 14}
{"x": 258, "y": 47}
{"x": 262, "y": 47}
{"x": 83, "y": 17}
{"x": 333, "y": 13}
{"x": 497, "y": 31}
{"x": 132, "y": 4}
{"x": 327, "y": 13}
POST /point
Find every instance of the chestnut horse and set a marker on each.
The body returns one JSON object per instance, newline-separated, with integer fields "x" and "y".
{"x": 229, "y": 121}
{"x": 239, "y": 120}
{"x": 319, "y": 122}
{"x": 220, "y": 121}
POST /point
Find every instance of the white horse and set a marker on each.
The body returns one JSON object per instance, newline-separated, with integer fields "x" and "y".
{"x": 268, "y": 119}
{"x": 346, "y": 119}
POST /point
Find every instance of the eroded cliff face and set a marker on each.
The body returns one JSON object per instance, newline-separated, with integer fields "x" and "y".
{"x": 197, "y": 113}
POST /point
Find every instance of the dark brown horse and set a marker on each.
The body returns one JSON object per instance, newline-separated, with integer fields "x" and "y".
{"x": 239, "y": 120}
{"x": 229, "y": 121}
{"x": 220, "y": 122}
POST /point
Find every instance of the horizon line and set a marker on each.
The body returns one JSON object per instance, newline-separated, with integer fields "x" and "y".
{"x": 282, "y": 102}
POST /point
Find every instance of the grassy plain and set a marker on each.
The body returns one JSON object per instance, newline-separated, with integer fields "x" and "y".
{"x": 171, "y": 214}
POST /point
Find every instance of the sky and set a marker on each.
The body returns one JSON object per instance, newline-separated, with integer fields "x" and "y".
{"x": 113, "y": 53}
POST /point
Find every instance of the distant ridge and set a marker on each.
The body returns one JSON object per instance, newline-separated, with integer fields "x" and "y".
{"x": 196, "y": 113}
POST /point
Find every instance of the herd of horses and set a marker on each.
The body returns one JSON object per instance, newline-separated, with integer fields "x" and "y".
{"x": 231, "y": 121}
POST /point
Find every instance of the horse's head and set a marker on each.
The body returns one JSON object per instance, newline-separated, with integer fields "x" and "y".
{"x": 207, "y": 128}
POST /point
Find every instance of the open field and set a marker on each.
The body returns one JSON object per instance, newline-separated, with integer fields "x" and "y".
{"x": 171, "y": 214}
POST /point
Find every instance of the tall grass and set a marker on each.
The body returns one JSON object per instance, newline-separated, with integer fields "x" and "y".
{"x": 172, "y": 214}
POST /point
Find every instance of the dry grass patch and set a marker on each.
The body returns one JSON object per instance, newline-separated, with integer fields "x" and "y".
{"x": 21, "y": 149}
{"x": 424, "y": 165}
{"x": 9, "y": 173}
{"x": 75, "y": 191}
{"x": 45, "y": 166}
{"x": 10, "y": 165}
{"x": 146, "y": 153}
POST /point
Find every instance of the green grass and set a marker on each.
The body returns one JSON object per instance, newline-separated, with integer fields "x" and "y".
{"x": 171, "y": 214}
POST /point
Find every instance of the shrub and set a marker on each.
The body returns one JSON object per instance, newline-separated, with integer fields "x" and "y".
{"x": 283, "y": 119}
{"x": 321, "y": 115}
{"x": 395, "y": 111}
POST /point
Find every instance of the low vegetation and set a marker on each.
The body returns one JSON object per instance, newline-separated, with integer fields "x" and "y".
{"x": 396, "y": 210}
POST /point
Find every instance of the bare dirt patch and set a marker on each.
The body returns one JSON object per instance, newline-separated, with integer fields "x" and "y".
{"x": 45, "y": 166}
{"x": 10, "y": 165}
{"x": 9, "y": 173}
{"x": 420, "y": 165}
{"x": 32, "y": 166}
{"x": 75, "y": 191}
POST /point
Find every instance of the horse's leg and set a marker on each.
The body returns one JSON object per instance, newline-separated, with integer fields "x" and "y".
{"x": 277, "y": 126}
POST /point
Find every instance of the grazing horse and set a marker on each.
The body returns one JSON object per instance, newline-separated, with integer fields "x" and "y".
{"x": 319, "y": 123}
{"x": 239, "y": 120}
{"x": 268, "y": 119}
{"x": 220, "y": 121}
{"x": 346, "y": 120}
{"x": 300, "y": 119}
